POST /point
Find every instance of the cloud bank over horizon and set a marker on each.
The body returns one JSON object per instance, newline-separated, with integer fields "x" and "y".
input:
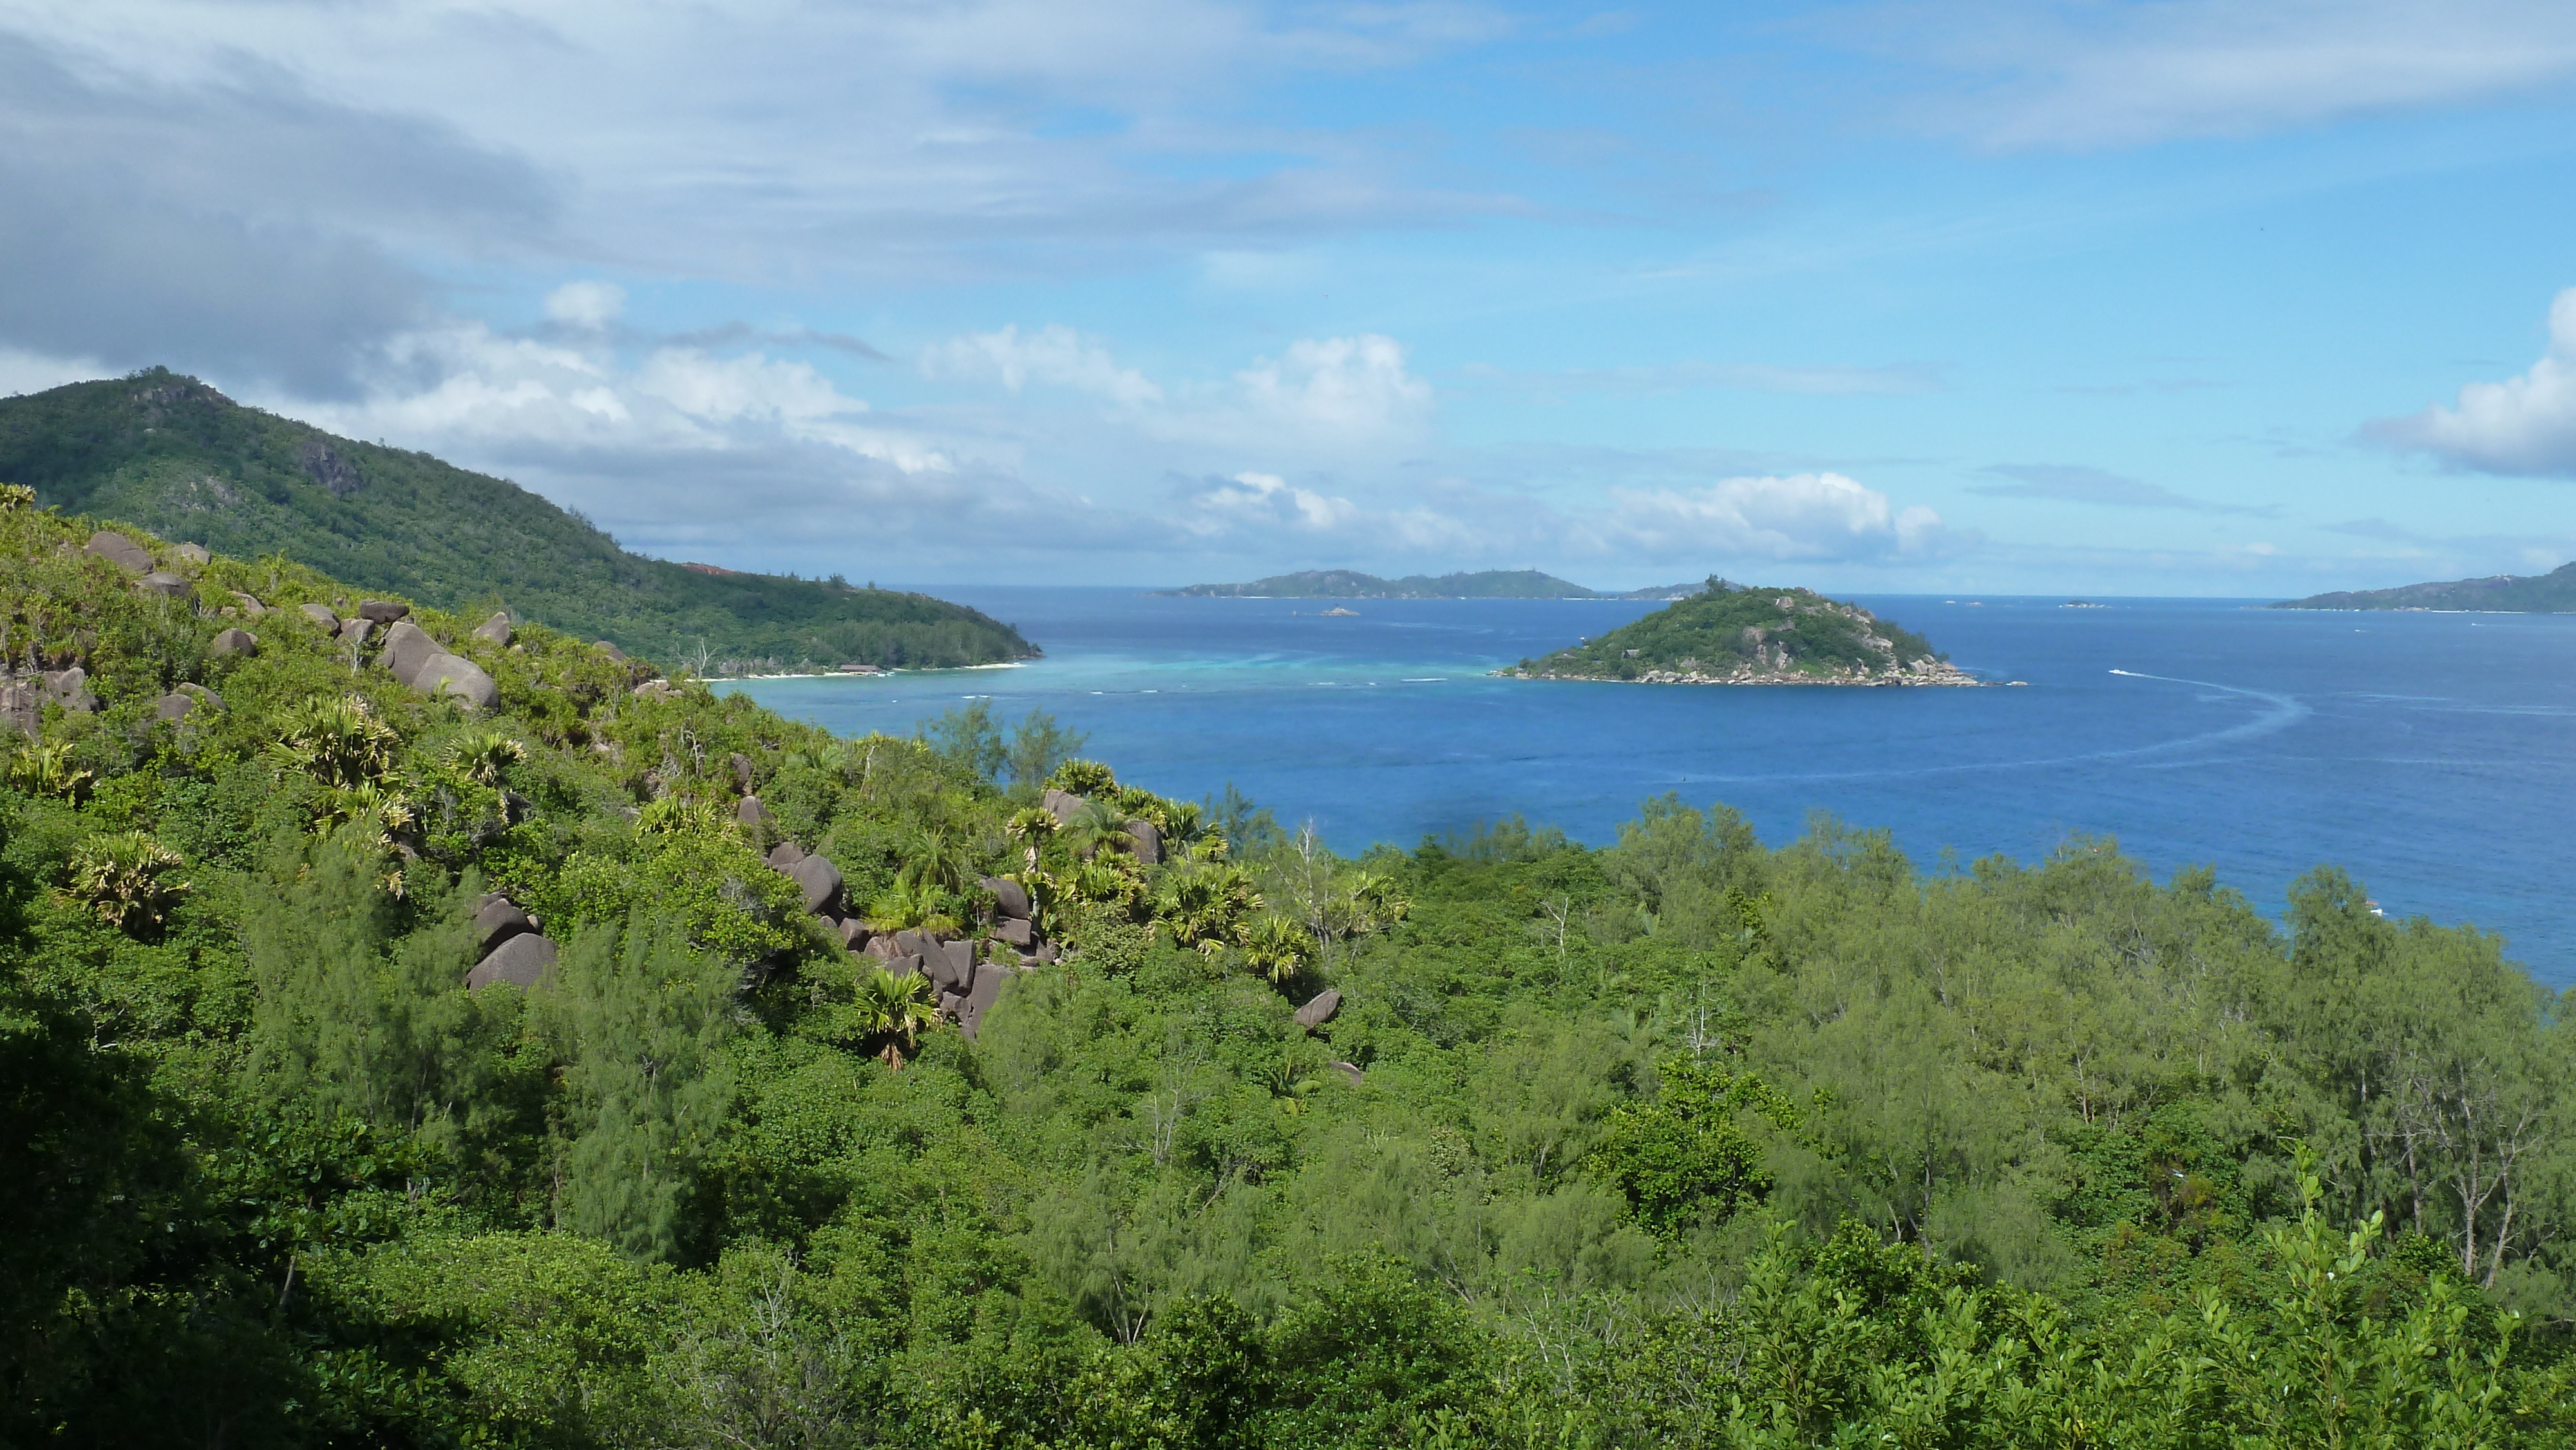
{"x": 1000, "y": 290}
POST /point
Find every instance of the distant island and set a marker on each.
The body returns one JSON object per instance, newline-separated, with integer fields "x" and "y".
{"x": 2550, "y": 593}
{"x": 1742, "y": 635}
{"x": 1352, "y": 584}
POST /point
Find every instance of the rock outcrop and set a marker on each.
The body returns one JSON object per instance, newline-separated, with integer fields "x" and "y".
{"x": 382, "y": 611}
{"x": 447, "y": 674}
{"x": 498, "y": 629}
{"x": 167, "y": 585}
{"x": 520, "y": 960}
{"x": 234, "y": 642}
{"x": 407, "y": 647}
{"x": 1320, "y": 1008}
{"x": 121, "y": 551}
{"x": 320, "y": 614}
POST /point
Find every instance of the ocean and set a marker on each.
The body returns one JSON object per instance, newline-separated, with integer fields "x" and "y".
{"x": 2432, "y": 755}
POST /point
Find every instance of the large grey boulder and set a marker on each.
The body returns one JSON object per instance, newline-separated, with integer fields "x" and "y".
{"x": 610, "y": 650}
{"x": 820, "y": 879}
{"x": 191, "y": 553}
{"x": 881, "y": 946}
{"x": 952, "y": 967}
{"x": 741, "y": 764}
{"x": 1010, "y": 898}
{"x": 979, "y": 1000}
{"x": 497, "y": 629}
{"x": 251, "y": 608}
{"x": 1063, "y": 804}
{"x": 234, "y": 642}
{"x": 407, "y": 647}
{"x": 22, "y": 708}
{"x": 70, "y": 689}
{"x": 750, "y": 814}
{"x": 382, "y": 611}
{"x": 1015, "y": 930}
{"x": 185, "y": 701}
{"x": 854, "y": 933}
{"x": 498, "y": 920}
{"x": 1350, "y": 1072}
{"x": 462, "y": 678}
{"x": 902, "y": 966}
{"x": 320, "y": 614}
{"x": 121, "y": 551}
{"x": 914, "y": 942}
{"x": 167, "y": 585}
{"x": 1320, "y": 1008}
{"x": 1149, "y": 841}
{"x": 354, "y": 632}
{"x": 784, "y": 855}
{"x": 519, "y": 961}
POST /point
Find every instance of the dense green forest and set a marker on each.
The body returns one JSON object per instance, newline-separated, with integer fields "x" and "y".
{"x": 1500, "y": 1140}
{"x": 172, "y": 455}
{"x": 2550, "y": 593}
{"x": 1747, "y": 634}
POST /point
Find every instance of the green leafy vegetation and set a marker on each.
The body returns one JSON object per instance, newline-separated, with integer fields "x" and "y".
{"x": 1741, "y": 634}
{"x": 1685, "y": 1140}
{"x": 2550, "y": 593}
{"x": 175, "y": 457}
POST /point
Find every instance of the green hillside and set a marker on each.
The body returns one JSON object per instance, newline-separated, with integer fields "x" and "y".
{"x": 1742, "y": 634}
{"x": 173, "y": 456}
{"x": 582, "y": 1062}
{"x": 2550, "y": 593}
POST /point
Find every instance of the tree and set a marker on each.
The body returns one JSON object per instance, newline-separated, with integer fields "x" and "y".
{"x": 1683, "y": 1156}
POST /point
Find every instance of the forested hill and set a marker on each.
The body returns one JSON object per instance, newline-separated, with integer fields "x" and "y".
{"x": 1351, "y": 584}
{"x": 1731, "y": 634}
{"x": 2550, "y": 593}
{"x": 424, "y": 1033}
{"x": 172, "y": 455}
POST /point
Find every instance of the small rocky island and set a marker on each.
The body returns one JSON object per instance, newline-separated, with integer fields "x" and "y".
{"x": 1741, "y": 635}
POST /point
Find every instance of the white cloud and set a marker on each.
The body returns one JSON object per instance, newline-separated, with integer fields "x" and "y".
{"x": 1346, "y": 387}
{"x": 1799, "y": 516}
{"x": 2522, "y": 425}
{"x": 586, "y": 304}
{"x": 2052, "y": 76}
{"x": 1055, "y": 355}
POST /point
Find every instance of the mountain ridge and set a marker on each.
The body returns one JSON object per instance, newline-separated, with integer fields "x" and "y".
{"x": 2550, "y": 593}
{"x": 1479, "y": 584}
{"x": 177, "y": 458}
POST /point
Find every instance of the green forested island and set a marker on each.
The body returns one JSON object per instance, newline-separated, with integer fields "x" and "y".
{"x": 1729, "y": 634}
{"x": 2550, "y": 593}
{"x": 429, "y": 1032}
{"x": 1351, "y": 584}
{"x": 174, "y": 456}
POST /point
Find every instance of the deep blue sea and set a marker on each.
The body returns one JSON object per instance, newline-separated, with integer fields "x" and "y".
{"x": 2433, "y": 755}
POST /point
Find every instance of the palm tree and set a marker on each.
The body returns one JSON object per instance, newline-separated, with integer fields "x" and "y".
{"x": 1030, "y": 828}
{"x": 482, "y": 756}
{"x": 1202, "y": 902}
{"x": 1275, "y": 946}
{"x": 341, "y": 743}
{"x": 1097, "y": 826}
{"x": 892, "y": 1012}
{"x": 124, "y": 878}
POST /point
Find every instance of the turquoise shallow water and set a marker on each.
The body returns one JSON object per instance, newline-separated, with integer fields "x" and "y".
{"x": 2434, "y": 755}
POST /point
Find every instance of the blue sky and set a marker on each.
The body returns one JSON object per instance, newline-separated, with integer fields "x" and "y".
{"x": 2180, "y": 298}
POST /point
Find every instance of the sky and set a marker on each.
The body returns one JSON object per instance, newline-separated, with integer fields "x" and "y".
{"x": 2190, "y": 297}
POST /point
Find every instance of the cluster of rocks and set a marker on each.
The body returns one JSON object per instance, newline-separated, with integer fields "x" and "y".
{"x": 409, "y": 653}
{"x": 508, "y": 945}
{"x": 23, "y": 701}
